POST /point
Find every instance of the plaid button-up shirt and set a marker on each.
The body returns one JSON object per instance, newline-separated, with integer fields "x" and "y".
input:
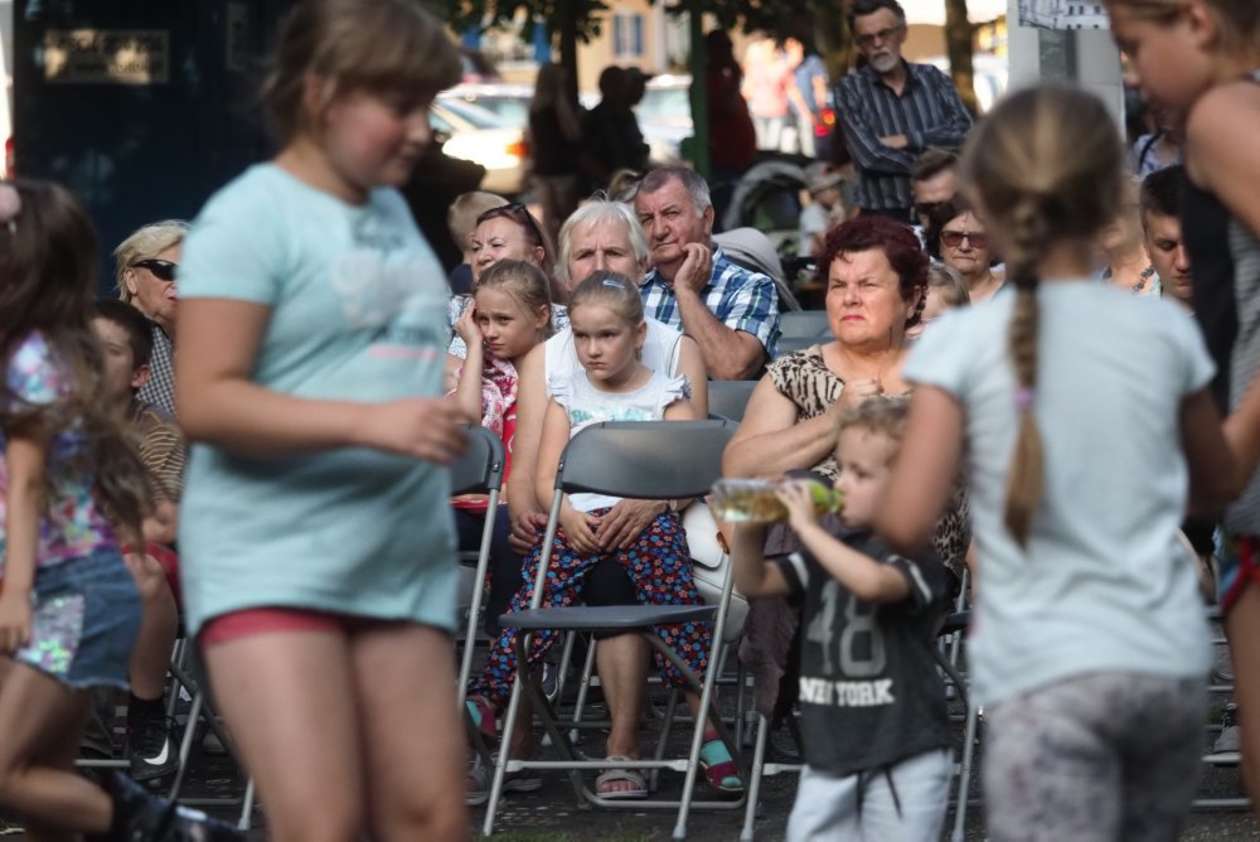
{"x": 928, "y": 112}
{"x": 740, "y": 299}
{"x": 160, "y": 388}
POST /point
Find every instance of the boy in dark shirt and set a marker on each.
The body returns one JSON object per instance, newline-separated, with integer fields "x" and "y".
{"x": 872, "y": 702}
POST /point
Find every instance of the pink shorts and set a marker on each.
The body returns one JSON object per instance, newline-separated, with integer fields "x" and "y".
{"x": 256, "y": 621}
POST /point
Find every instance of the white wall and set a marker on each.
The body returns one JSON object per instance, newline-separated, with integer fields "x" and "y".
{"x": 1096, "y": 66}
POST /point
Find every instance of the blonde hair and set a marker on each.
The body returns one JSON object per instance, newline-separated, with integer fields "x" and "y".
{"x": 616, "y": 292}
{"x": 948, "y": 281}
{"x": 374, "y": 45}
{"x": 461, "y": 218}
{"x": 524, "y": 282}
{"x": 1046, "y": 166}
{"x": 882, "y": 414}
{"x": 145, "y": 244}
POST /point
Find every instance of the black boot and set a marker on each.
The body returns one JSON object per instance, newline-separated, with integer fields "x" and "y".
{"x": 140, "y": 816}
{"x": 149, "y": 745}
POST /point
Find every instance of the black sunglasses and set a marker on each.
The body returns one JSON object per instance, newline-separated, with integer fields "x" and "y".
{"x": 163, "y": 270}
{"x": 519, "y": 214}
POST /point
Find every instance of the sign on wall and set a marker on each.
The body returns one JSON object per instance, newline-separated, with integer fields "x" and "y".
{"x": 107, "y": 56}
{"x": 1062, "y": 14}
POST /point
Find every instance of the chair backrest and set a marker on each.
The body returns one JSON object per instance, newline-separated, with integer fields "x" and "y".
{"x": 480, "y": 469}
{"x": 810, "y": 323}
{"x": 654, "y": 460}
{"x": 792, "y": 344}
{"x": 729, "y": 398}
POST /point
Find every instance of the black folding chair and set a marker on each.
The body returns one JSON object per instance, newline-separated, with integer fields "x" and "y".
{"x": 729, "y": 398}
{"x": 479, "y": 471}
{"x": 803, "y": 323}
{"x": 640, "y": 460}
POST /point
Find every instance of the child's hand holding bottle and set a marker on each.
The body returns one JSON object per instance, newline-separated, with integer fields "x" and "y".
{"x": 797, "y": 496}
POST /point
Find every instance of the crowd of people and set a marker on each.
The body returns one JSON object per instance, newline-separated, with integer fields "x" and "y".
{"x": 1036, "y": 380}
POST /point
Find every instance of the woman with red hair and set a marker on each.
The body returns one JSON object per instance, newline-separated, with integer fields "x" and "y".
{"x": 876, "y": 280}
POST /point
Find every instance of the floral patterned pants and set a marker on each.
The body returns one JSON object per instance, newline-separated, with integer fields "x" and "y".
{"x": 658, "y": 563}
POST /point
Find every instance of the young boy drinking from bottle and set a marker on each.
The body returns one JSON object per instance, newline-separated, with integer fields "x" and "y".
{"x": 872, "y": 703}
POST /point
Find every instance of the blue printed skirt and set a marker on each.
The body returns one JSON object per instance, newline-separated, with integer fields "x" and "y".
{"x": 86, "y": 616}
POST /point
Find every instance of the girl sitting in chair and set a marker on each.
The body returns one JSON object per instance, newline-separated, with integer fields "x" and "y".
{"x": 606, "y": 314}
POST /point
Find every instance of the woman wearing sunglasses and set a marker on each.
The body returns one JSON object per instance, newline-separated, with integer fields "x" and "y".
{"x": 962, "y": 242}
{"x": 146, "y": 263}
{"x": 509, "y": 232}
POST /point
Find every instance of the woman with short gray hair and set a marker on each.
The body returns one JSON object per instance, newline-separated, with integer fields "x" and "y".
{"x": 601, "y": 235}
{"x": 146, "y": 263}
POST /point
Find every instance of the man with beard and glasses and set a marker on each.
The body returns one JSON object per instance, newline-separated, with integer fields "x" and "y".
{"x": 892, "y": 111}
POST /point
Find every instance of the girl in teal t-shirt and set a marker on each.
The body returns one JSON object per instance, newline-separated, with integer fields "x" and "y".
{"x": 317, "y": 545}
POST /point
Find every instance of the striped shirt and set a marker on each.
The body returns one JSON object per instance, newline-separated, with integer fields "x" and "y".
{"x": 159, "y": 389}
{"x": 740, "y": 299}
{"x": 928, "y": 112}
{"x": 163, "y": 451}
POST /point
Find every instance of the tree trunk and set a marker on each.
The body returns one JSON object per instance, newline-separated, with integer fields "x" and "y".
{"x": 831, "y": 29}
{"x": 569, "y": 46}
{"x": 960, "y": 46}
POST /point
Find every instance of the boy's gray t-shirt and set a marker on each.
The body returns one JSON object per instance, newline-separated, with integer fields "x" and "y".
{"x": 1103, "y": 584}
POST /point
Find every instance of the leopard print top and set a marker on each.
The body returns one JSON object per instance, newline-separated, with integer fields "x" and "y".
{"x": 804, "y": 379}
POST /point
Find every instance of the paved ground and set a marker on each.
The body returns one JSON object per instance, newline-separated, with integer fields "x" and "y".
{"x": 553, "y": 814}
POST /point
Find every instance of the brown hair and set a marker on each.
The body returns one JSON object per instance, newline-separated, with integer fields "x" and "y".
{"x": 524, "y": 281}
{"x": 375, "y": 45}
{"x": 616, "y": 292}
{"x": 933, "y": 162}
{"x": 48, "y": 262}
{"x": 882, "y": 414}
{"x": 1045, "y": 166}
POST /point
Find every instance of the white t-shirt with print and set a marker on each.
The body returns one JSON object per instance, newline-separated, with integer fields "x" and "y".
{"x": 586, "y": 405}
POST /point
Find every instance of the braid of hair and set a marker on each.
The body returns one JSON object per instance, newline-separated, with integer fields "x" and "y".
{"x": 1025, "y": 484}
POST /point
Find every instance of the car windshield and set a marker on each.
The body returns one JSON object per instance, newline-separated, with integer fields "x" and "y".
{"x": 511, "y": 110}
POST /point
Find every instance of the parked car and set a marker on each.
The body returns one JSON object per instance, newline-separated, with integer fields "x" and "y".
{"x": 665, "y": 116}
{"x": 509, "y": 102}
{"x": 475, "y": 134}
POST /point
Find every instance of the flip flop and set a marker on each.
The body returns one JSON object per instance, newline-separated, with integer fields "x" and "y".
{"x": 720, "y": 771}
{"x": 631, "y": 776}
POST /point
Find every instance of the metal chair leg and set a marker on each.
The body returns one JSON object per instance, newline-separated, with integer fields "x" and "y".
{"x": 754, "y": 778}
{"x": 479, "y": 584}
{"x": 584, "y": 686}
{"x": 706, "y": 702}
{"x": 964, "y": 776}
{"x": 247, "y": 807}
{"x": 523, "y": 643}
{"x": 185, "y": 744}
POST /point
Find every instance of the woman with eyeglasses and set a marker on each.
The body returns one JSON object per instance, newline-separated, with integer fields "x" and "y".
{"x": 960, "y": 240}
{"x": 146, "y": 263}
{"x": 509, "y": 232}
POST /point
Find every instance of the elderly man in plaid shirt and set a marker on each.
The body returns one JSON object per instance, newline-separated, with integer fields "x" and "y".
{"x": 731, "y": 313}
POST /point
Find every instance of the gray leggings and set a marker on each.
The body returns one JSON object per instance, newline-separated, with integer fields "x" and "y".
{"x": 1106, "y": 756}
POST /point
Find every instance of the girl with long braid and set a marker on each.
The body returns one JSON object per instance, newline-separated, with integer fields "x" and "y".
{"x": 1082, "y": 417}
